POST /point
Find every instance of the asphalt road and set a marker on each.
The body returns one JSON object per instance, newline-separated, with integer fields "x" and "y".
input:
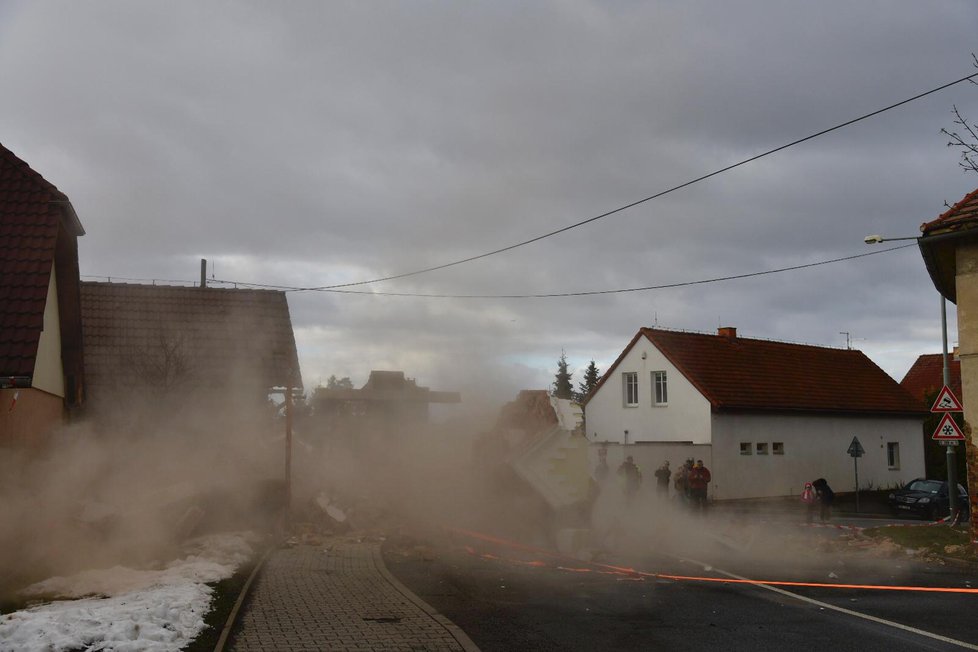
{"x": 507, "y": 597}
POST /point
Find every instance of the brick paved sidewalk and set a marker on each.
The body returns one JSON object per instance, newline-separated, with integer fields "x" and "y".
{"x": 338, "y": 596}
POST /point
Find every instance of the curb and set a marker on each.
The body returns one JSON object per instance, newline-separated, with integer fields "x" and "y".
{"x": 233, "y": 616}
{"x": 463, "y": 639}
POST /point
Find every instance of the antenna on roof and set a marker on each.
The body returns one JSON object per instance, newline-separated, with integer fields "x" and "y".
{"x": 848, "y": 340}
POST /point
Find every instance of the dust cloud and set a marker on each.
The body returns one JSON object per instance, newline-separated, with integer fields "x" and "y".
{"x": 128, "y": 489}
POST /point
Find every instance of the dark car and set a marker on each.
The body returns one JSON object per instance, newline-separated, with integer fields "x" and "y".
{"x": 927, "y": 499}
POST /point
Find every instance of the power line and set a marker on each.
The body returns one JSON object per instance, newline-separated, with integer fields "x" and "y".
{"x": 587, "y": 293}
{"x": 641, "y": 201}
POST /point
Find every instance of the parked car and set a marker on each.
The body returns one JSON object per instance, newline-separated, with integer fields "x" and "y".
{"x": 927, "y": 499}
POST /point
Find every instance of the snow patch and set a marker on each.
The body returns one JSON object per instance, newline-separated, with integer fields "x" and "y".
{"x": 154, "y": 610}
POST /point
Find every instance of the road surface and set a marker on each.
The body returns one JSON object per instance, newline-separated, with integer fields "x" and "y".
{"x": 508, "y": 596}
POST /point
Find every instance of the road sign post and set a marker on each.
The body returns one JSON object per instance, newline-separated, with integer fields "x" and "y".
{"x": 948, "y": 434}
{"x": 856, "y": 451}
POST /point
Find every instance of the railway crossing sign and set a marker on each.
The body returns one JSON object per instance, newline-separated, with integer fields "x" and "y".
{"x": 946, "y": 401}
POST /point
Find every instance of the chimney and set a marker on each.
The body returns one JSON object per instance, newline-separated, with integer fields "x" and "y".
{"x": 728, "y": 332}
{"x": 203, "y": 272}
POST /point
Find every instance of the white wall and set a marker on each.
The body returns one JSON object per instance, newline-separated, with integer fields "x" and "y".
{"x": 814, "y": 447}
{"x": 685, "y": 419}
{"x": 48, "y": 370}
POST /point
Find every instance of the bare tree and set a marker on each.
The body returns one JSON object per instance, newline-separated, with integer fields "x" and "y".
{"x": 965, "y": 135}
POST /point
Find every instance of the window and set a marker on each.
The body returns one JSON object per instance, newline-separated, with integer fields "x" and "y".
{"x": 660, "y": 393}
{"x": 762, "y": 448}
{"x": 777, "y": 448}
{"x": 745, "y": 448}
{"x": 893, "y": 454}
{"x": 629, "y": 383}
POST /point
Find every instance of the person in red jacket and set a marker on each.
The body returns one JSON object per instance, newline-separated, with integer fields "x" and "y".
{"x": 699, "y": 478}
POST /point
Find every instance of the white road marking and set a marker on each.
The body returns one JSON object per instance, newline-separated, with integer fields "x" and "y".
{"x": 826, "y": 605}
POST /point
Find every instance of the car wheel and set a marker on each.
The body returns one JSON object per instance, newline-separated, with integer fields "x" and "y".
{"x": 932, "y": 513}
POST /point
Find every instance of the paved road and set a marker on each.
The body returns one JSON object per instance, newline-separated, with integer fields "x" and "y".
{"x": 511, "y": 599}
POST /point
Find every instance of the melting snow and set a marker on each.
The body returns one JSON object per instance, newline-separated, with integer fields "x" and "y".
{"x": 153, "y": 610}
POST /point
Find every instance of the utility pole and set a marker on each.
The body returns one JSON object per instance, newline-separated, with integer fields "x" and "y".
{"x": 952, "y": 481}
{"x": 288, "y": 457}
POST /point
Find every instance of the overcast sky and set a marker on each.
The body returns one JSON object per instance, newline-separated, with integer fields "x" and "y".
{"x": 315, "y": 143}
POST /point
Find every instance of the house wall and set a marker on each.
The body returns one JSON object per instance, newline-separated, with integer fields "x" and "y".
{"x": 28, "y": 421}
{"x": 966, "y": 286}
{"x": 48, "y": 371}
{"x": 814, "y": 447}
{"x": 686, "y": 418}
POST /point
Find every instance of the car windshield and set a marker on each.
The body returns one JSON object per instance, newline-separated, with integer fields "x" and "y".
{"x": 927, "y": 486}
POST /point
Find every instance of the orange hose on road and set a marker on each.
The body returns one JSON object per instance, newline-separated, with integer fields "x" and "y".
{"x": 620, "y": 570}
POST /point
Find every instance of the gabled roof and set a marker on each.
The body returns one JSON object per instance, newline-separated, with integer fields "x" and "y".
{"x": 736, "y": 373}
{"x": 32, "y": 211}
{"x": 926, "y": 377}
{"x": 940, "y": 239}
{"x": 197, "y": 337}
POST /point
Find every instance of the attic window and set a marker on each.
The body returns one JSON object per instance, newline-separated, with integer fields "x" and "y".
{"x": 745, "y": 448}
{"x": 660, "y": 394}
{"x": 629, "y": 384}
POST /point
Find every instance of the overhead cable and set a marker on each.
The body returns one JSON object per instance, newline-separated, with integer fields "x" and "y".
{"x": 641, "y": 201}
{"x": 553, "y": 295}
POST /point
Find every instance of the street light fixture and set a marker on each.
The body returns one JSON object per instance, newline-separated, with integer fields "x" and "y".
{"x": 952, "y": 484}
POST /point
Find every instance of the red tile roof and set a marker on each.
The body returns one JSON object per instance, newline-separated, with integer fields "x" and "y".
{"x": 32, "y": 211}
{"x": 199, "y": 337}
{"x": 963, "y": 212}
{"x": 926, "y": 377}
{"x": 736, "y": 373}
{"x": 941, "y": 239}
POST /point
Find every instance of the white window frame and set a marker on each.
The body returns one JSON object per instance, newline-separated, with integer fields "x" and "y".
{"x": 893, "y": 455}
{"x": 660, "y": 388}
{"x": 629, "y": 388}
{"x": 746, "y": 448}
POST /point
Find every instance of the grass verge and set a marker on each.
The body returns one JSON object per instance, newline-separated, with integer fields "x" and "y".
{"x": 222, "y": 601}
{"x": 933, "y": 540}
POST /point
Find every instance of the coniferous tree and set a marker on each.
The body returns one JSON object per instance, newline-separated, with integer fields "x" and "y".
{"x": 591, "y": 378}
{"x": 562, "y": 387}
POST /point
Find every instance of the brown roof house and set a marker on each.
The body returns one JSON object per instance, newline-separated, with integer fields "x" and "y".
{"x": 41, "y": 370}
{"x": 764, "y": 416}
{"x": 925, "y": 378}
{"x": 170, "y": 348}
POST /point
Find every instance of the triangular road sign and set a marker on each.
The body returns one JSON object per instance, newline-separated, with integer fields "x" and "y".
{"x": 855, "y": 448}
{"x": 946, "y": 401}
{"x": 948, "y": 430}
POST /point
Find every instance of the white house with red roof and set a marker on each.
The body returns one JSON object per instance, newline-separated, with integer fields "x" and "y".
{"x": 764, "y": 416}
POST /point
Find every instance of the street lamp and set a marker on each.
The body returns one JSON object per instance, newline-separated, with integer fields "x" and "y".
{"x": 952, "y": 484}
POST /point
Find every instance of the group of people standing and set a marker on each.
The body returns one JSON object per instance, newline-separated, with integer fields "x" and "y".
{"x": 691, "y": 483}
{"x": 818, "y": 495}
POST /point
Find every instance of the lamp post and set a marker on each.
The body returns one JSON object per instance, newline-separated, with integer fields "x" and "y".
{"x": 952, "y": 484}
